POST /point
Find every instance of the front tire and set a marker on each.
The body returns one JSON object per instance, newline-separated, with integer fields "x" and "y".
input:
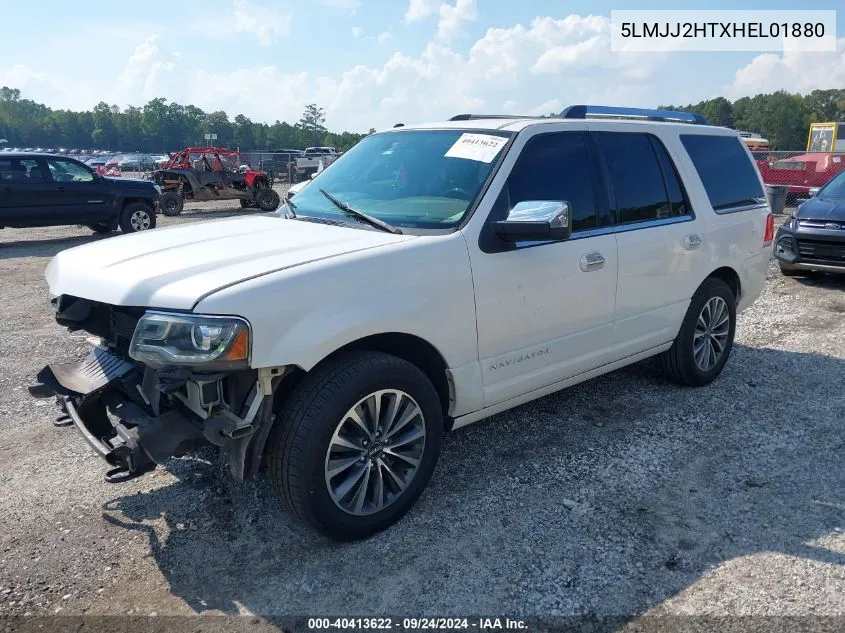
{"x": 356, "y": 444}
{"x": 267, "y": 199}
{"x": 706, "y": 337}
{"x": 137, "y": 216}
{"x": 789, "y": 272}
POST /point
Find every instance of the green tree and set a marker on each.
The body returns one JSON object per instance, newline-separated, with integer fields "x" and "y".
{"x": 312, "y": 124}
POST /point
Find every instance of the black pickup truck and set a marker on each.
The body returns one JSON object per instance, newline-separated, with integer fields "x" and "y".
{"x": 47, "y": 190}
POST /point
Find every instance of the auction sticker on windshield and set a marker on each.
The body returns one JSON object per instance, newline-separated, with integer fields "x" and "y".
{"x": 480, "y": 147}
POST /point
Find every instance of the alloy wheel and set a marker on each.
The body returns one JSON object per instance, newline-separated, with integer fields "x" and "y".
{"x": 711, "y": 333}
{"x": 375, "y": 452}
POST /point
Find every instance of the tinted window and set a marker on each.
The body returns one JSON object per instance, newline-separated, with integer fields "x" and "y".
{"x": 19, "y": 170}
{"x": 556, "y": 167}
{"x": 674, "y": 190}
{"x": 728, "y": 175}
{"x": 636, "y": 176}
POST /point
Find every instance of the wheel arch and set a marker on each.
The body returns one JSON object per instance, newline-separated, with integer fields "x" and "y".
{"x": 408, "y": 347}
{"x": 731, "y": 278}
{"x": 126, "y": 201}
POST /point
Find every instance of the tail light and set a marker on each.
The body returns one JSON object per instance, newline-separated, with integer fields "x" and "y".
{"x": 770, "y": 230}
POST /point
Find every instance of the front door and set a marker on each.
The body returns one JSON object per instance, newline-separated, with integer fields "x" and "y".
{"x": 80, "y": 197}
{"x": 545, "y": 310}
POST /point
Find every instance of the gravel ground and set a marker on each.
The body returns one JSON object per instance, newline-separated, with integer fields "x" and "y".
{"x": 625, "y": 495}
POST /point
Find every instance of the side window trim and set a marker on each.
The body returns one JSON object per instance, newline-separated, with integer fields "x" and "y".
{"x": 609, "y": 230}
{"x": 46, "y": 174}
{"x": 658, "y": 145}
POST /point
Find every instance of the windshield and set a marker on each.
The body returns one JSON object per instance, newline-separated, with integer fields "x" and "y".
{"x": 424, "y": 179}
{"x": 835, "y": 189}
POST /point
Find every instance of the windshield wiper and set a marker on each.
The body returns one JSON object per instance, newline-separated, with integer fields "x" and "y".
{"x": 384, "y": 226}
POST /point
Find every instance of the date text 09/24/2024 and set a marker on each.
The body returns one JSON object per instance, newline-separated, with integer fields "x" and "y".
{"x": 417, "y": 624}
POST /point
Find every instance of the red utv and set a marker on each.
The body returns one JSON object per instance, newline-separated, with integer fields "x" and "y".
{"x": 212, "y": 173}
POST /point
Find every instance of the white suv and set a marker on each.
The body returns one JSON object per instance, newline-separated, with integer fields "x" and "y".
{"x": 434, "y": 275}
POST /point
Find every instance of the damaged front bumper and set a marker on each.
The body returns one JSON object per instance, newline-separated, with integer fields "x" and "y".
{"x": 135, "y": 421}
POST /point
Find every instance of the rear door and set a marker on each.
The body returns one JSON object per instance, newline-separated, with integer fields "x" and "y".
{"x": 659, "y": 237}
{"x": 25, "y": 195}
{"x": 79, "y": 196}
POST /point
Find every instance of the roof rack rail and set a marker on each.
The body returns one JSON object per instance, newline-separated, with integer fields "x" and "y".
{"x": 611, "y": 112}
{"x": 473, "y": 117}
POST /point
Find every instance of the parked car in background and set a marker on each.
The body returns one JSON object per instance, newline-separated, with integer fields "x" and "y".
{"x": 312, "y": 158}
{"x": 97, "y": 162}
{"x": 814, "y": 238}
{"x": 136, "y": 162}
{"x": 800, "y": 173}
{"x": 48, "y": 190}
{"x": 435, "y": 276}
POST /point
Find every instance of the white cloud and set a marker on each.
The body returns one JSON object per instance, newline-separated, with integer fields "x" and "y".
{"x": 420, "y": 10}
{"x": 526, "y": 69}
{"x": 349, "y": 5}
{"x": 265, "y": 23}
{"x": 383, "y": 37}
{"x": 356, "y": 32}
{"x": 452, "y": 18}
{"x": 792, "y": 70}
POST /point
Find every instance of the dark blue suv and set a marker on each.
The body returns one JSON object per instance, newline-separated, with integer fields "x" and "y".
{"x": 814, "y": 239}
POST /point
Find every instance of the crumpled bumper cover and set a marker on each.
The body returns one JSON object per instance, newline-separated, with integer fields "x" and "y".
{"x": 94, "y": 393}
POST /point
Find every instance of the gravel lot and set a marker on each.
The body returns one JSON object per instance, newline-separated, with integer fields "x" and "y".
{"x": 622, "y": 496}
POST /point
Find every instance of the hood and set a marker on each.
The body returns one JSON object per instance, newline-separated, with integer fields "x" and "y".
{"x": 128, "y": 183}
{"x": 822, "y": 209}
{"x": 175, "y": 267}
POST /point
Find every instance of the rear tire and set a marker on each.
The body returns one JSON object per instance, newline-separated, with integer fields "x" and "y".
{"x": 137, "y": 216}
{"x": 247, "y": 203}
{"x": 171, "y": 203}
{"x": 303, "y": 449}
{"x": 267, "y": 199}
{"x": 706, "y": 337}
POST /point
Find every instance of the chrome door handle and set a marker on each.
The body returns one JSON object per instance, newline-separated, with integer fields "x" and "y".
{"x": 692, "y": 242}
{"x": 592, "y": 261}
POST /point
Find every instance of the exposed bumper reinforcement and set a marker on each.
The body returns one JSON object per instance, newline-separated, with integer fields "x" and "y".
{"x": 119, "y": 430}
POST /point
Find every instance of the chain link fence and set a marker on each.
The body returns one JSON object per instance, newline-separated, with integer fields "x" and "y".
{"x": 279, "y": 165}
{"x": 798, "y": 171}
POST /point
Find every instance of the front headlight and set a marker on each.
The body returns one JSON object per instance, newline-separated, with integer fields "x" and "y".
{"x": 158, "y": 189}
{"x": 210, "y": 342}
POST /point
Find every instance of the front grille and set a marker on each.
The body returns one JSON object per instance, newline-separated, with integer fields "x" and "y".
{"x": 822, "y": 251}
{"x": 122, "y": 327}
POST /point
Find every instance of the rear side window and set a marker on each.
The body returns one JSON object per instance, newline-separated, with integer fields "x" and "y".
{"x": 645, "y": 183}
{"x": 728, "y": 176}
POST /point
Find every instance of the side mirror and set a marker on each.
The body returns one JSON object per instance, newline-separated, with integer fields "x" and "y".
{"x": 536, "y": 220}
{"x": 813, "y": 191}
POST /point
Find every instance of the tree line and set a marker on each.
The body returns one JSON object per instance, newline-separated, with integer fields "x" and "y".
{"x": 782, "y": 118}
{"x": 158, "y": 126}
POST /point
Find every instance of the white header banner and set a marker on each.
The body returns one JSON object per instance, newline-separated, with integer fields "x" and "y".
{"x": 722, "y": 30}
